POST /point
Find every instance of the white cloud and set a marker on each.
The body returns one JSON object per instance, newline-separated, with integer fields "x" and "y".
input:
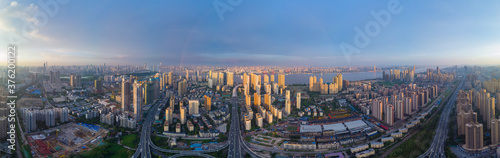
{"x": 13, "y": 3}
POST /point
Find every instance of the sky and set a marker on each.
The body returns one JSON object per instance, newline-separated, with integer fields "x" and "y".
{"x": 252, "y": 32}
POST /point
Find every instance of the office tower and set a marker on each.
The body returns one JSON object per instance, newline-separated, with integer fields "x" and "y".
{"x": 170, "y": 77}
{"x": 399, "y": 110}
{"x": 187, "y": 74}
{"x": 137, "y": 101}
{"x": 4, "y": 125}
{"x": 229, "y": 79}
{"x": 208, "y": 102}
{"x": 125, "y": 95}
{"x": 183, "y": 114}
{"x": 193, "y": 107}
{"x": 256, "y": 99}
{"x": 495, "y": 131}
{"x": 281, "y": 80}
{"x": 298, "y": 100}
{"x": 389, "y": 115}
{"x": 288, "y": 107}
{"x": 377, "y": 109}
{"x": 248, "y": 100}
{"x": 168, "y": 115}
{"x": 473, "y": 136}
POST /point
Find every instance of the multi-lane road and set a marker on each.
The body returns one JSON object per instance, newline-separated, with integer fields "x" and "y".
{"x": 144, "y": 145}
{"x": 437, "y": 146}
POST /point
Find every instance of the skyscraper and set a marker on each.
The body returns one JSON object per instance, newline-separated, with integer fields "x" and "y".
{"x": 281, "y": 80}
{"x": 298, "y": 100}
{"x": 377, "y": 109}
{"x": 125, "y": 95}
{"x": 229, "y": 79}
{"x": 137, "y": 88}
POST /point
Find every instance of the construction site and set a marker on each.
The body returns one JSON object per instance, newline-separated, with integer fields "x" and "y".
{"x": 66, "y": 139}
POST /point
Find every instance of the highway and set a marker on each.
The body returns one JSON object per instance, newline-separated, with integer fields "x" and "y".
{"x": 437, "y": 146}
{"x": 144, "y": 145}
{"x": 234, "y": 132}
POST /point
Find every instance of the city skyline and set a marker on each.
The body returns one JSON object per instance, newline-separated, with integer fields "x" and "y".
{"x": 252, "y": 33}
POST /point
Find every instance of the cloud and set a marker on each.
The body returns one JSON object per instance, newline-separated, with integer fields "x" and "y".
{"x": 14, "y": 18}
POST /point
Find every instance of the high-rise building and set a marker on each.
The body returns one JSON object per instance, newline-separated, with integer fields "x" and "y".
{"x": 389, "y": 115}
{"x": 256, "y": 99}
{"x": 183, "y": 114}
{"x": 408, "y": 106}
{"x": 229, "y": 79}
{"x": 266, "y": 79}
{"x": 193, "y": 107}
{"x": 187, "y": 74}
{"x": 463, "y": 118}
{"x": 208, "y": 102}
{"x": 377, "y": 109}
{"x": 170, "y": 77}
{"x": 29, "y": 120}
{"x": 399, "y": 109}
{"x": 168, "y": 115}
{"x": 298, "y": 100}
{"x": 137, "y": 100}
{"x": 125, "y": 95}
{"x": 72, "y": 81}
{"x": 288, "y": 107}
{"x": 495, "y": 131}
{"x": 248, "y": 124}
{"x": 55, "y": 77}
{"x": 473, "y": 136}
{"x": 182, "y": 87}
{"x": 281, "y": 80}
{"x": 491, "y": 110}
{"x": 50, "y": 118}
{"x": 248, "y": 100}
{"x": 267, "y": 100}
{"x": 287, "y": 94}
{"x": 98, "y": 85}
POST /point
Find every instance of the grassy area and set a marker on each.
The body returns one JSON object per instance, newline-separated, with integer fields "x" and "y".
{"x": 131, "y": 140}
{"x": 111, "y": 150}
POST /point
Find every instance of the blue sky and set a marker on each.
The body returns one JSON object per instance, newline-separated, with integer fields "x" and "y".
{"x": 254, "y": 32}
